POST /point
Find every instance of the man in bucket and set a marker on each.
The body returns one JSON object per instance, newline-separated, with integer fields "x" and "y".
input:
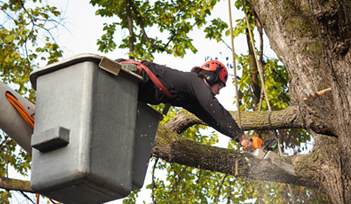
{"x": 195, "y": 91}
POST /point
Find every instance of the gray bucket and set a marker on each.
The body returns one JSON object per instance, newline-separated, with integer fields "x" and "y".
{"x": 84, "y": 132}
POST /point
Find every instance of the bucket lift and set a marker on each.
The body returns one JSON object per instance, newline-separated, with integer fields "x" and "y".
{"x": 92, "y": 139}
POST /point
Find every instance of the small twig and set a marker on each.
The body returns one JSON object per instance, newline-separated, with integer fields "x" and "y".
{"x": 320, "y": 93}
{"x": 229, "y": 194}
{"x": 28, "y": 198}
{"x": 130, "y": 27}
{"x": 285, "y": 82}
{"x": 153, "y": 182}
{"x": 220, "y": 187}
{"x": 7, "y": 143}
{"x": 143, "y": 29}
{"x": 7, "y": 161}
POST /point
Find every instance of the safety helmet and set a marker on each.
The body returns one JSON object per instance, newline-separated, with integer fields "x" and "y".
{"x": 217, "y": 72}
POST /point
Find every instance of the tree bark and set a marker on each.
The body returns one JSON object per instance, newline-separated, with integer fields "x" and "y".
{"x": 174, "y": 148}
{"x": 287, "y": 118}
{"x": 253, "y": 72}
{"x": 130, "y": 28}
{"x": 15, "y": 184}
{"x": 312, "y": 38}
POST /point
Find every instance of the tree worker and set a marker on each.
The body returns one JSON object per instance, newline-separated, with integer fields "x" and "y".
{"x": 195, "y": 91}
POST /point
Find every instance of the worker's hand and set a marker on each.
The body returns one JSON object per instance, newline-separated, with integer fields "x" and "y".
{"x": 246, "y": 142}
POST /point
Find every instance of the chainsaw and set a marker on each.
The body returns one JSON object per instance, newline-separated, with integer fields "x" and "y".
{"x": 265, "y": 150}
{"x": 268, "y": 145}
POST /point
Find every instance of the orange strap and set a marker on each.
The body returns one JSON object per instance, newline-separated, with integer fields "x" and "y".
{"x": 20, "y": 109}
{"x": 152, "y": 76}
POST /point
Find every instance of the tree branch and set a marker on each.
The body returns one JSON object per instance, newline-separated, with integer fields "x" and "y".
{"x": 130, "y": 27}
{"x": 174, "y": 148}
{"x": 153, "y": 182}
{"x": 143, "y": 29}
{"x": 220, "y": 187}
{"x": 287, "y": 118}
{"x": 28, "y": 198}
{"x": 15, "y": 184}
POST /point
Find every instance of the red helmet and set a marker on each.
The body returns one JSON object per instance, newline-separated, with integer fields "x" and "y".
{"x": 217, "y": 72}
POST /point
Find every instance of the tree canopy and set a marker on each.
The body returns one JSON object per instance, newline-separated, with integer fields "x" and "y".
{"x": 311, "y": 40}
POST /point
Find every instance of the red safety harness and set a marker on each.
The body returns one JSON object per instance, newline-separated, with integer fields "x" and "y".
{"x": 154, "y": 79}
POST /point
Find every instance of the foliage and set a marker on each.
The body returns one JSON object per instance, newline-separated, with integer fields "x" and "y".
{"x": 173, "y": 19}
{"x": 25, "y": 38}
{"x": 25, "y": 42}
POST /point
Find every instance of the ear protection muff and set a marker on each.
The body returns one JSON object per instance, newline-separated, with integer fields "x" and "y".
{"x": 213, "y": 77}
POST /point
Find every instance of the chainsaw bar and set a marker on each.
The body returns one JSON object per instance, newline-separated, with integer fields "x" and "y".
{"x": 274, "y": 158}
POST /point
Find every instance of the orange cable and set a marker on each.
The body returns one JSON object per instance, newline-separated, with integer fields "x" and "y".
{"x": 52, "y": 201}
{"x": 26, "y": 117}
{"x": 37, "y": 198}
{"x": 20, "y": 109}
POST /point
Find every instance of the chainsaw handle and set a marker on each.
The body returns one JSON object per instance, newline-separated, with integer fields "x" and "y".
{"x": 270, "y": 144}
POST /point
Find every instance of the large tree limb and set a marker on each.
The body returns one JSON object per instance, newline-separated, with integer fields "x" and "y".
{"x": 15, "y": 184}
{"x": 287, "y": 118}
{"x": 174, "y": 148}
{"x": 262, "y": 120}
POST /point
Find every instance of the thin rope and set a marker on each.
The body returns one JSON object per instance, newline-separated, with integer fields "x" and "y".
{"x": 233, "y": 53}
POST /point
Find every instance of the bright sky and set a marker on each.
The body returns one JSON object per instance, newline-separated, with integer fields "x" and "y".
{"x": 84, "y": 28}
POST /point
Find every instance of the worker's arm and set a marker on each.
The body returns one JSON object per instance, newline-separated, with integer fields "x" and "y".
{"x": 209, "y": 110}
{"x": 240, "y": 137}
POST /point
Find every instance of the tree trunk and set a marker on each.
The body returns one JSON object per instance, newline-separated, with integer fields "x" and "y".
{"x": 312, "y": 38}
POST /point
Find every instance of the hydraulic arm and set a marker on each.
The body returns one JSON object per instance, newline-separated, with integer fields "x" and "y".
{"x": 11, "y": 121}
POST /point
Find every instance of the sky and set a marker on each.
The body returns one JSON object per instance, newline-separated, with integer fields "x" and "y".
{"x": 83, "y": 28}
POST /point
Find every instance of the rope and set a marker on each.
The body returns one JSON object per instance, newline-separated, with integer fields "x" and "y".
{"x": 233, "y": 53}
{"x": 260, "y": 70}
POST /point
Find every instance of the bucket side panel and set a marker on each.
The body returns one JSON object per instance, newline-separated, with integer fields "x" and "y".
{"x": 114, "y": 117}
{"x": 61, "y": 102}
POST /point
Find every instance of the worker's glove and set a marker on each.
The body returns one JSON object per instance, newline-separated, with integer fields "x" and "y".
{"x": 245, "y": 142}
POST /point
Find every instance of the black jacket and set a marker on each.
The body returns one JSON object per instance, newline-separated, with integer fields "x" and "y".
{"x": 190, "y": 92}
